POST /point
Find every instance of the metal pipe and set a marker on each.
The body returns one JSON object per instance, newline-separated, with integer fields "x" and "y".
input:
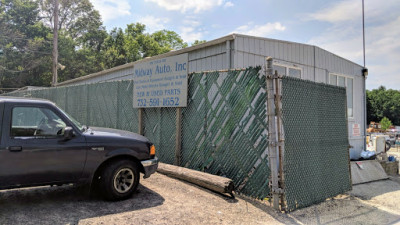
{"x": 363, "y": 28}
{"x": 364, "y": 85}
{"x": 272, "y": 147}
{"x": 279, "y": 124}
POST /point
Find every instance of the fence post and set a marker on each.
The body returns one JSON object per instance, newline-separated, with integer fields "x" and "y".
{"x": 88, "y": 105}
{"x": 140, "y": 126}
{"x": 272, "y": 131}
{"x": 281, "y": 136}
{"x": 178, "y": 137}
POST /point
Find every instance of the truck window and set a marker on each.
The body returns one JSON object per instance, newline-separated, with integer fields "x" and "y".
{"x": 36, "y": 122}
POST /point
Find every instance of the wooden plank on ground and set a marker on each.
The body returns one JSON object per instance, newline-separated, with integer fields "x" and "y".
{"x": 206, "y": 180}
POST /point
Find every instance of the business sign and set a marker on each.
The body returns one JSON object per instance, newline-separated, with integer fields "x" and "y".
{"x": 161, "y": 82}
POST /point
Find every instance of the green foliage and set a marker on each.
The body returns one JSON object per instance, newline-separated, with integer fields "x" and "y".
{"x": 197, "y": 42}
{"x": 385, "y": 123}
{"x": 383, "y": 103}
{"x": 84, "y": 45}
{"x": 25, "y": 44}
{"x": 122, "y": 47}
{"x": 169, "y": 40}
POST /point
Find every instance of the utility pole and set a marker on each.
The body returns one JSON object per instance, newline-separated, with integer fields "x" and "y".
{"x": 363, "y": 28}
{"x": 55, "y": 44}
{"x": 365, "y": 74}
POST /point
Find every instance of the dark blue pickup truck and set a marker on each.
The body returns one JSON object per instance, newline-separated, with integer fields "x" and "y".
{"x": 42, "y": 145}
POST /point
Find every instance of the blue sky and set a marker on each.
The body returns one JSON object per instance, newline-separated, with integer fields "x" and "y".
{"x": 333, "y": 25}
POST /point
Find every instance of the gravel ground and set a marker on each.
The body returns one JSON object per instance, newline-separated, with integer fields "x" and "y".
{"x": 164, "y": 200}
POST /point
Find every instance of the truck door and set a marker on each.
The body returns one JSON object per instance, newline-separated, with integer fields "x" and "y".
{"x": 35, "y": 150}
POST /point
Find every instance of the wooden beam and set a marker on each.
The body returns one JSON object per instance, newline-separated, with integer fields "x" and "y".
{"x": 206, "y": 180}
{"x": 178, "y": 137}
{"x": 140, "y": 115}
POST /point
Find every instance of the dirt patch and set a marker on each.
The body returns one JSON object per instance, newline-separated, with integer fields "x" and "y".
{"x": 159, "y": 200}
{"x": 164, "y": 200}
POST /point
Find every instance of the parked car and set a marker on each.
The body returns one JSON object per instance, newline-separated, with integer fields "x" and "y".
{"x": 42, "y": 145}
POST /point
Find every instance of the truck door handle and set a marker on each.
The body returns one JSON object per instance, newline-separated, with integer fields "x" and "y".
{"x": 15, "y": 148}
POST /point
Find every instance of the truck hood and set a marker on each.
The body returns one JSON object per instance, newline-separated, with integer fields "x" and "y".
{"x": 99, "y": 132}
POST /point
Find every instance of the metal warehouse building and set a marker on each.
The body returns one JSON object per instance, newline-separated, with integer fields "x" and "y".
{"x": 292, "y": 59}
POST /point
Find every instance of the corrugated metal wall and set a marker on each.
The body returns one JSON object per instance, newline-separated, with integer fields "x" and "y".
{"x": 210, "y": 58}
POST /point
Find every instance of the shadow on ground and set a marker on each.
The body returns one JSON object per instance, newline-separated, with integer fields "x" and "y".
{"x": 66, "y": 205}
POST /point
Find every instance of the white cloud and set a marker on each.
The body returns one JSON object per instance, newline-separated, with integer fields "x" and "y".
{"x": 112, "y": 9}
{"x": 228, "y": 4}
{"x": 153, "y": 23}
{"x": 342, "y": 11}
{"x": 187, "y": 5}
{"x": 191, "y": 22}
{"x": 259, "y": 30}
{"x": 350, "y": 10}
{"x": 344, "y": 37}
{"x": 191, "y": 29}
{"x": 190, "y": 34}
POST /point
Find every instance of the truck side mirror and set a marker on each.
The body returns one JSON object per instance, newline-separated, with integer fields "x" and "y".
{"x": 68, "y": 133}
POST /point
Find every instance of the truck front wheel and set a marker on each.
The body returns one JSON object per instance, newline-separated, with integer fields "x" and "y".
{"x": 119, "y": 180}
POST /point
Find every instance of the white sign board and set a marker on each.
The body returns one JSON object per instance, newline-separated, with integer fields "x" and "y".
{"x": 356, "y": 130}
{"x": 161, "y": 82}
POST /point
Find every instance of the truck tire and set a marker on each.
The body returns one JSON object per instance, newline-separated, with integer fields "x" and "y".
{"x": 119, "y": 180}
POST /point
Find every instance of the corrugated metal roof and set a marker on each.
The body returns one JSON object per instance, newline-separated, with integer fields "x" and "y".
{"x": 181, "y": 51}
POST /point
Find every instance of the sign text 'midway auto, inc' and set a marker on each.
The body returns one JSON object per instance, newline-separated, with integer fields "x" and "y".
{"x": 161, "y": 82}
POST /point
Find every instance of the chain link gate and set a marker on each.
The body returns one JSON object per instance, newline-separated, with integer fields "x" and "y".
{"x": 310, "y": 157}
{"x": 316, "y": 161}
{"x": 224, "y": 128}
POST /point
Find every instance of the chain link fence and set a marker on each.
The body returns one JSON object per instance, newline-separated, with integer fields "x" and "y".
{"x": 316, "y": 158}
{"x": 159, "y": 127}
{"x": 224, "y": 129}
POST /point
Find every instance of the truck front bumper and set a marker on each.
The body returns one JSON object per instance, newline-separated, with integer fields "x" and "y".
{"x": 150, "y": 166}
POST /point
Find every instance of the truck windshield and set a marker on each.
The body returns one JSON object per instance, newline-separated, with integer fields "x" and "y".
{"x": 74, "y": 121}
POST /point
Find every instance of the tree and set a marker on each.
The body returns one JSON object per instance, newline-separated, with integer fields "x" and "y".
{"x": 168, "y": 40}
{"x": 385, "y": 123}
{"x": 383, "y": 103}
{"x": 25, "y": 42}
{"x": 134, "y": 43}
{"x": 84, "y": 45}
{"x": 197, "y": 42}
{"x": 78, "y": 17}
{"x": 81, "y": 36}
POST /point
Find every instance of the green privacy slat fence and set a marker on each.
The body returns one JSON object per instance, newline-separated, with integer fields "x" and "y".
{"x": 102, "y": 104}
{"x": 127, "y": 116}
{"x": 224, "y": 129}
{"x": 316, "y": 145}
{"x": 159, "y": 127}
